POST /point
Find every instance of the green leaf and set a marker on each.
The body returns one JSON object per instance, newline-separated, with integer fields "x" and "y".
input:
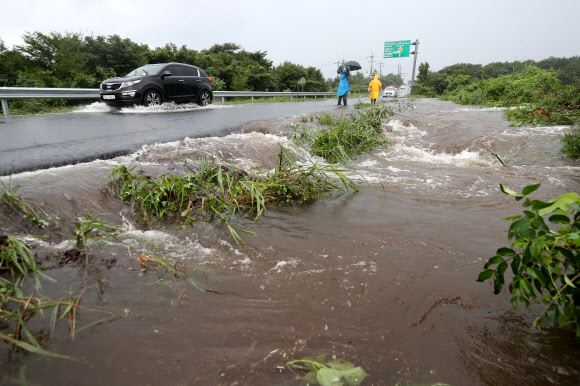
{"x": 353, "y": 377}
{"x": 537, "y": 204}
{"x": 559, "y": 219}
{"x": 483, "y": 276}
{"x": 536, "y": 249}
{"x": 538, "y": 222}
{"x": 514, "y": 301}
{"x": 551, "y": 314}
{"x": 506, "y": 252}
{"x": 516, "y": 265}
{"x": 513, "y": 218}
{"x": 527, "y": 288}
{"x": 561, "y": 203}
{"x": 529, "y": 189}
{"x": 568, "y": 281}
{"x": 507, "y": 190}
{"x": 328, "y": 377}
{"x": 493, "y": 260}
{"x": 521, "y": 229}
{"x": 502, "y": 268}
{"x": 536, "y": 274}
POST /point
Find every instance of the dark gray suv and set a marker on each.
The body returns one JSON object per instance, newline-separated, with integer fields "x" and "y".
{"x": 154, "y": 84}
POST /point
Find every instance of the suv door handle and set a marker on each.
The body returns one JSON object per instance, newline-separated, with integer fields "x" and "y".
{"x": 199, "y": 80}
{"x": 181, "y": 80}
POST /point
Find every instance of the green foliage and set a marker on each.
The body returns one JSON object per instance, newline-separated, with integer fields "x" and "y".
{"x": 72, "y": 60}
{"x": 218, "y": 192}
{"x": 545, "y": 263}
{"x": 16, "y": 264}
{"x": 327, "y": 373}
{"x": 90, "y": 227}
{"x": 345, "y": 137}
{"x": 537, "y": 93}
{"x": 571, "y": 141}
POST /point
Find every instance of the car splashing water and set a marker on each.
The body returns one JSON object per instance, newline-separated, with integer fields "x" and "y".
{"x": 168, "y": 107}
{"x": 384, "y": 278}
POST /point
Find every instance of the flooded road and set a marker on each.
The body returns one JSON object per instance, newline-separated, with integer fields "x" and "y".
{"x": 97, "y": 131}
{"x": 383, "y": 278}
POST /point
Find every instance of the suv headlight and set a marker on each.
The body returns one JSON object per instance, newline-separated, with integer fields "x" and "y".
{"x": 127, "y": 84}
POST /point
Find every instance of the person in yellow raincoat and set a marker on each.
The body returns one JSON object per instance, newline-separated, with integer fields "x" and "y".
{"x": 374, "y": 87}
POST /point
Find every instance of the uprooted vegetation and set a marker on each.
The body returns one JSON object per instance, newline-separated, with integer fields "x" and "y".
{"x": 219, "y": 192}
{"x": 340, "y": 138}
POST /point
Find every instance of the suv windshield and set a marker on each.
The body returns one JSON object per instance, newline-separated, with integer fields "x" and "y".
{"x": 149, "y": 69}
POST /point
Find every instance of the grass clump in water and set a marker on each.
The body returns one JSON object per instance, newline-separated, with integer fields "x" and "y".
{"x": 91, "y": 228}
{"x": 218, "y": 192}
{"x": 18, "y": 203}
{"x": 174, "y": 267}
{"x": 345, "y": 137}
{"x": 16, "y": 264}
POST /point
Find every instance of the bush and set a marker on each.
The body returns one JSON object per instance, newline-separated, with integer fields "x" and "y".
{"x": 572, "y": 142}
{"x": 542, "y": 260}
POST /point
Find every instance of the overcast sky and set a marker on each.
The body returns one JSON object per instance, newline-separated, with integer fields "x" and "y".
{"x": 320, "y": 32}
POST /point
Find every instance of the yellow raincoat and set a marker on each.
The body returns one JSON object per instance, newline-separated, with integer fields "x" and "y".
{"x": 374, "y": 86}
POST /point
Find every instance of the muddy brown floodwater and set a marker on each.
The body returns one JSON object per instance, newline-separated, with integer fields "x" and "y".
{"x": 383, "y": 278}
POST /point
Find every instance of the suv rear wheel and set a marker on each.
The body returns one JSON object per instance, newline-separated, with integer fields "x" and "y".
{"x": 204, "y": 98}
{"x": 152, "y": 98}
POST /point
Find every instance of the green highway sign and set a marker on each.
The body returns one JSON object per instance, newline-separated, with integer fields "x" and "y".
{"x": 397, "y": 49}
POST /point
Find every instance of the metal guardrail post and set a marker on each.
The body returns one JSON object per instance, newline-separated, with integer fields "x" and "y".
{"x": 5, "y": 110}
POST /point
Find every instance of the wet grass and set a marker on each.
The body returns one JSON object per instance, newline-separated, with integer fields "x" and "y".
{"x": 89, "y": 227}
{"x": 16, "y": 264}
{"x": 343, "y": 137}
{"x": 220, "y": 192}
{"x": 175, "y": 267}
{"x": 18, "y": 203}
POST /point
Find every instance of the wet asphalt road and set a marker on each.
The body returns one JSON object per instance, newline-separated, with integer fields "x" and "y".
{"x": 42, "y": 141}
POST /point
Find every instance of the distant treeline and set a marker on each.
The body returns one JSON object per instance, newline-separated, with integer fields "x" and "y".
{"x": 567, "y": 71}
{"x": 73, "y": 60}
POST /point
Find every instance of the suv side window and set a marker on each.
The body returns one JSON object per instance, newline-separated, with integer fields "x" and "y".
{"x": 175, "y": 70}
{"x": 190, "y": 71}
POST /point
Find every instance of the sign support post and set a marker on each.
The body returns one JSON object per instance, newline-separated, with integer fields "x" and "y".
{"x": 416, "y": 44}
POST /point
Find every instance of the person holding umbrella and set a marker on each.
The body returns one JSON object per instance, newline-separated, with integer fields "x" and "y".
{"x": 343, "y": 86}
{"x": 374, "y": 87}
{"x": 344, "y": 71}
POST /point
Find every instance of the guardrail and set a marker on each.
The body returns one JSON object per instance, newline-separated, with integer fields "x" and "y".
{"x": 93, "y": 93}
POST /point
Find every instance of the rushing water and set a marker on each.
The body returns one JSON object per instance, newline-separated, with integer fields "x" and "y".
{"x": 384, "y": 278}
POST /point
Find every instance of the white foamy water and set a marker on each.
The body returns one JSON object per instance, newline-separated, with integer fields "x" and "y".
{"x": 537, "y": 130}
{"x": 100, "y": 107}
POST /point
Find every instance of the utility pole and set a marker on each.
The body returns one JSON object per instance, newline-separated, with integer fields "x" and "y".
{"x": 372, "y": 59}
{"x": 416, "y": 52}
{"x": 381, "y": 64}
{"x": 338, "y": 62}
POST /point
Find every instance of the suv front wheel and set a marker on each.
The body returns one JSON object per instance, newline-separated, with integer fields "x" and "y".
{"x": 152, "y": 98}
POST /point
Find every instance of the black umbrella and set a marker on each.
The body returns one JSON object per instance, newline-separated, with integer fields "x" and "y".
{"x": 353, "y": 65}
